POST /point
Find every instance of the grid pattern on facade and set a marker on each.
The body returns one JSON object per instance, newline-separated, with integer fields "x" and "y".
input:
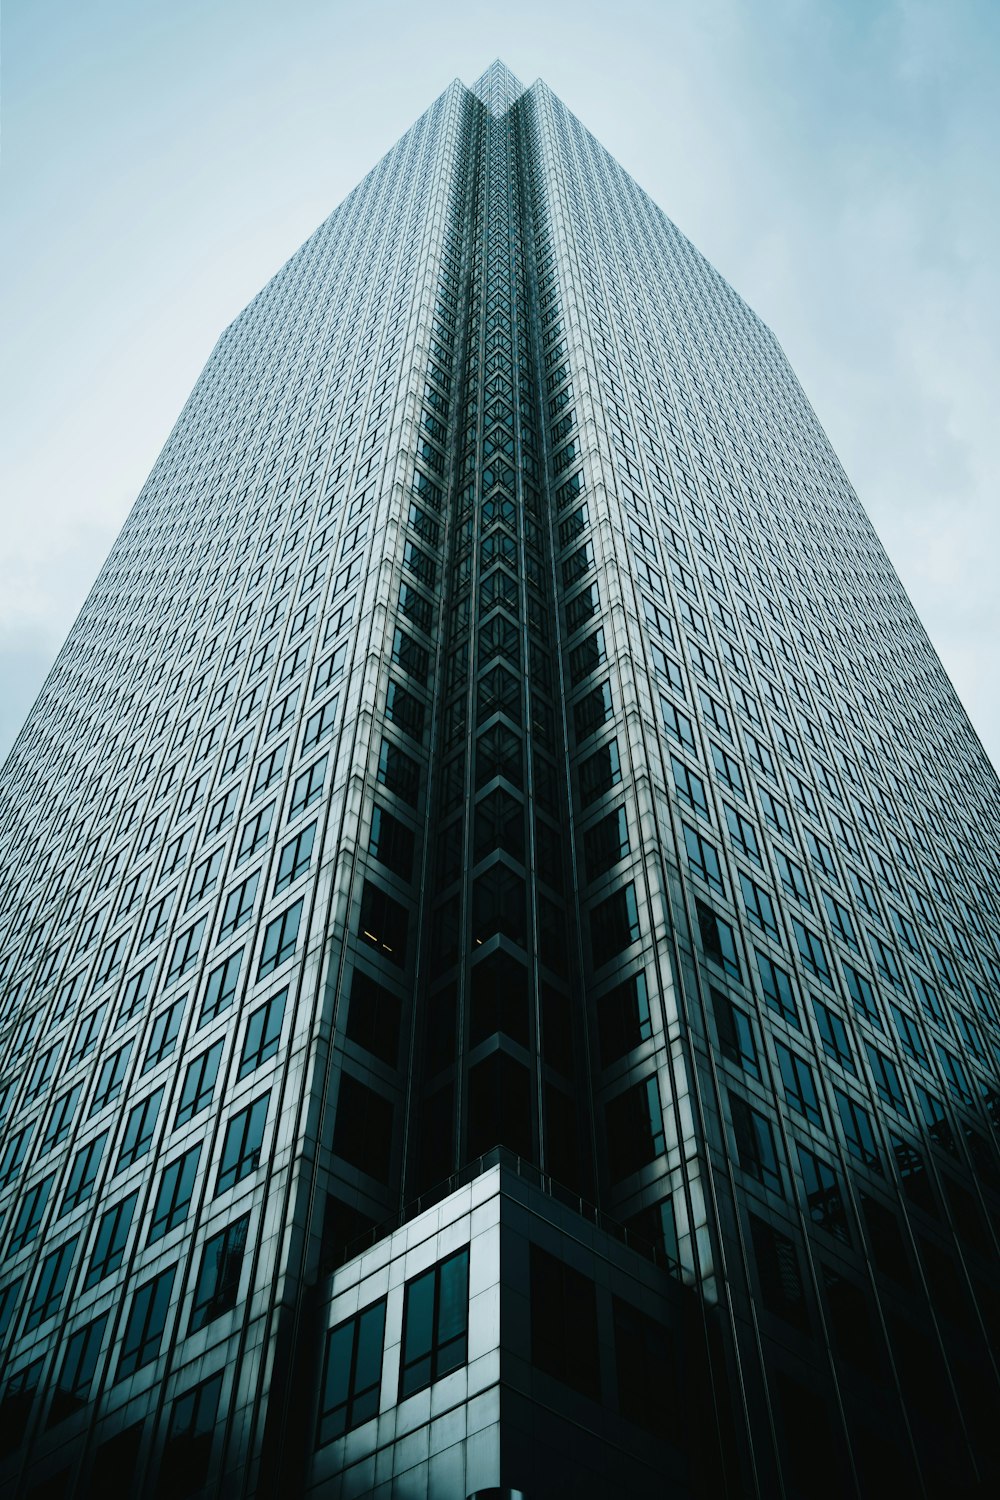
{"x": 498, "y": 724}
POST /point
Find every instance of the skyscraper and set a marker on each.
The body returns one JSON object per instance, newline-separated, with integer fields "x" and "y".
{"x": 499, "y": 934}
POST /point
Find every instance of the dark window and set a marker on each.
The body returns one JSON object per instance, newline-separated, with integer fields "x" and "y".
{"x": 28, "y": 1219}
{"x": 824, "y": 1200}
{"x": 187, "y": 1450}
{"x": 857, "y": 1131}
{"x": 383, "y": 923}
{"x": 833, "y": 1035}
{"x": 58, "y": 1128}
{"x": 736, "y": 1039}
{"x": 76, "y": 1372}
{"x": 112, "y": 1235}
{"x": 221, "y": 988}
{"x": 855, "y": 1334}
{"x": 435, "y": 1324}
{"x": 498, "y": 999}
{"x": 51, "y": 1284}
{"x": 263, "y": 1034}
{"x": 398, "y": 773}
{"x": 564, "y": 1324}
{"x": 635, "y": 1128}
{"x": 499, "y": 1106}
{"x": 599, "y": 773}
{"x": 405, "y": 711}
{"x": 364, "y": 1129}
{"x": 163, "y": 1035}
{"x": 219, "y": 1276}
{"x": 624, "y": 1019}
{"x": 718, "y": 940}
{"x": 352, "y": 1373}
{"x": 15, "y": 1407}
{"x": 295, "y": 857}
{"x": 779, "y": 1274}
{"x": 307, "y": 787}
{"x": 703, "y": 859}
{"x": 647, "y": 1392}
{"x": 140, "y": 1128}
{"x": 592, "y": 711}
{"x": 115, "y": 1463}
{"x": 808, "y": 1454}
{"x": 280, "y": 937}
{"x": 110, "y": 1078}
{"x": 373, "y": 1018}
{"x": 800, "y": 1087}
{"x": 755, "y": 1147}
{"x": 887, "y": 1081}
{"x": 238, "y": 908}
{"x": 174, "y": 1197}
{"x": 83, "y": 1174}
{"x": 498, "y": 905}
{"x": 185, "y": 954}
{"x": 146, "y": 1321}
{"x": 614, "y": 924}
{"x": 199, "y": 1083}
{"x": 777, "y": 987}
{"x": 886, "y": 1240}
{"x": 241, "y": 1148}
{"x": 606, "y": 843}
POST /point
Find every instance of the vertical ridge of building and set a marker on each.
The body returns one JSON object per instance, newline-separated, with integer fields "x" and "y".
{"x": 499, "y": 945}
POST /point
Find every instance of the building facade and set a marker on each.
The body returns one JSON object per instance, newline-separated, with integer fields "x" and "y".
{"x": 499, "y": 935}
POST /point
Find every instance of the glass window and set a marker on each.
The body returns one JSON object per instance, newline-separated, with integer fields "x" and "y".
{"x": 352, "y": 1373}
{"x": 238, "y": 908}
{"x": 703, "y": 859}
{"x": 51, "y": 1284}
{"x": 76, "y": 1373}
{"x": 221, "y": 988}
{"x": 295, "y": 857}
{"x": 263, "y": 1034}
{"x": 564, "y": 1339}
{"x": 280, "y": 937}
{"x": 858, "y": 1131}
{"x": 174, "y": 1197}
{"x": 824, "y": 1200}
{"x": 146, "y": 1321}
{"x": 736, "y": 1040}
{"x": 83, "y": 1173}
{"x": 110, "y": 1241}
{"x": 635, "y": 1128}
{"x": 647, "y": 1387}
{"x": 373, "y": 1017}
{"x": 833, "y": 1035}
{"x": 800, "y": 1089}
{"x": 777, "y": 987}
{"x": 718, "y": 940}
{"x": 219, "y": 1276}
{"x": 755, "y": 1148}
{"x": 163, "y": 1035}
{"x": 624, "y": 1019}
{"x": 139, "y": 1130}
{"x": 241, "y": 1148}
{"x": 199, "y": 1083}
{"x": 187, "y": 1450}
{"x": 435, "y": 1324}
{"x": 614, "y": 924}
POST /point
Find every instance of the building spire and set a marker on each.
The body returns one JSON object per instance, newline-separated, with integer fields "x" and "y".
{"x": 498, "y": 88}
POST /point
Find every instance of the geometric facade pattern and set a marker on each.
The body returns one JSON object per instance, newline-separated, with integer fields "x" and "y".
{"x": 499, "y": 933}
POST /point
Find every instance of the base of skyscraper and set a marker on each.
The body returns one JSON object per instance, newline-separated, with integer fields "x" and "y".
{"x": 579, "y": 1366}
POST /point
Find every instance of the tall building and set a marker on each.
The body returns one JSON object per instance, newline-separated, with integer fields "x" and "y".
{"x": 500, "y": 940}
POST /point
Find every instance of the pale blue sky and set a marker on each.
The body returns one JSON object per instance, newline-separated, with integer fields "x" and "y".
{"x": 837, "y": 161}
